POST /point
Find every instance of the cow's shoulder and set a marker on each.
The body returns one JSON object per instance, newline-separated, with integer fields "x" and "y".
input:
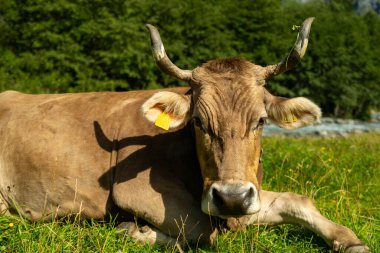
{"x": 10, "y": 93}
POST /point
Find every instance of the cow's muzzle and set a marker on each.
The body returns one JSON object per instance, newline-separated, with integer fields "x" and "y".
{"x": 235, "y": 198}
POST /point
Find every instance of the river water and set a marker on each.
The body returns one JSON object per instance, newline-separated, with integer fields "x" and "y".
{"x": 326, "y": 128}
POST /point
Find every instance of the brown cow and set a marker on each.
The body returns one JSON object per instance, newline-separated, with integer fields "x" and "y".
{"x": 95, "y": 153}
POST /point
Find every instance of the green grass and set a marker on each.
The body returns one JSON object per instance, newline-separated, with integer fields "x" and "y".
{"x": 341, "y": 175}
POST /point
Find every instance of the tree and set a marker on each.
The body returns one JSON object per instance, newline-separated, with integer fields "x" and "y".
{"x": 95, "y": 45}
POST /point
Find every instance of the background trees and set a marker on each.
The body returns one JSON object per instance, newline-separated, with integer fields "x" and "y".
{"x": 94, "y": 45}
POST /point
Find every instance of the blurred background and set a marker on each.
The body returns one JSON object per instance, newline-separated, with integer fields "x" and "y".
{"x": 97, "y": 45}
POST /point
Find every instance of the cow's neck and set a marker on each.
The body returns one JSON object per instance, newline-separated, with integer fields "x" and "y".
{"x": 168, "y": 154}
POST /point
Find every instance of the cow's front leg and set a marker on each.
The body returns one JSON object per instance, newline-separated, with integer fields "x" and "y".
{"x": 173, "y": 213}
{"x": 286, "y": 207}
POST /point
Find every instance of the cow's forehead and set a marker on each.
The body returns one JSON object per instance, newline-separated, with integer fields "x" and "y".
{"x": 221, "y": 72}
{"x": 228, "y": 97}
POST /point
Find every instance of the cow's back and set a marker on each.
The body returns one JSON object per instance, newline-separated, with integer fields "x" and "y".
{"x": 54, "y": 149}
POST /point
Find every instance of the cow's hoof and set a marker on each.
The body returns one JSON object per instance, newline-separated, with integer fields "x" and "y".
{"x": 358, "y": 249}
{"x": 353, "y": 248}
{"x": 126, "y": 228}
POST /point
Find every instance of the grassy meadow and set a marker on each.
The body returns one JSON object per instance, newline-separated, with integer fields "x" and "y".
{"x": 341, "y": 175}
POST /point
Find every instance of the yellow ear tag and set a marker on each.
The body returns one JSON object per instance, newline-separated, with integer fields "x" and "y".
{"x": 294, "y": 119}
{"x": 163, "y": 121}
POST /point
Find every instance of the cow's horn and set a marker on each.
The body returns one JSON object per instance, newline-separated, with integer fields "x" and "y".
{"x": 295, "y": 55}
{"x": 162, "y": 59}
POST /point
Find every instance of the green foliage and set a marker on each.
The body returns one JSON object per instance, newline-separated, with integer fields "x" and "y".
{"x": 344, "y": 189}
{"x": 93, "y": 45}
{"x": 340, "y": 70}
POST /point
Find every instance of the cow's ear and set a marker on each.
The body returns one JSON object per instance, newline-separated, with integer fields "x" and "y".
{"x": 167, "y": 110}
{"x": 291, "y": 113}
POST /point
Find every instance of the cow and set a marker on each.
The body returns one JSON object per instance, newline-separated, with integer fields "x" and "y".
{"x": 182, "y": 160}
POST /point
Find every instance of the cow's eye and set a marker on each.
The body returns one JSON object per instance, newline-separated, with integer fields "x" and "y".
{"x": 262, "y": 121}
{"x": 197, "y": 122}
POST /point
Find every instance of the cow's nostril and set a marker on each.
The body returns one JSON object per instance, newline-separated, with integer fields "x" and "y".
{"x": 217, "y": 198}
{"x": 249, "y": 195}
{"x": 251, "y": 192}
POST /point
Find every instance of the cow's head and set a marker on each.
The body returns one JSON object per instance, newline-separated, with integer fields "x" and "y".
{"x": 228, "y": 106}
